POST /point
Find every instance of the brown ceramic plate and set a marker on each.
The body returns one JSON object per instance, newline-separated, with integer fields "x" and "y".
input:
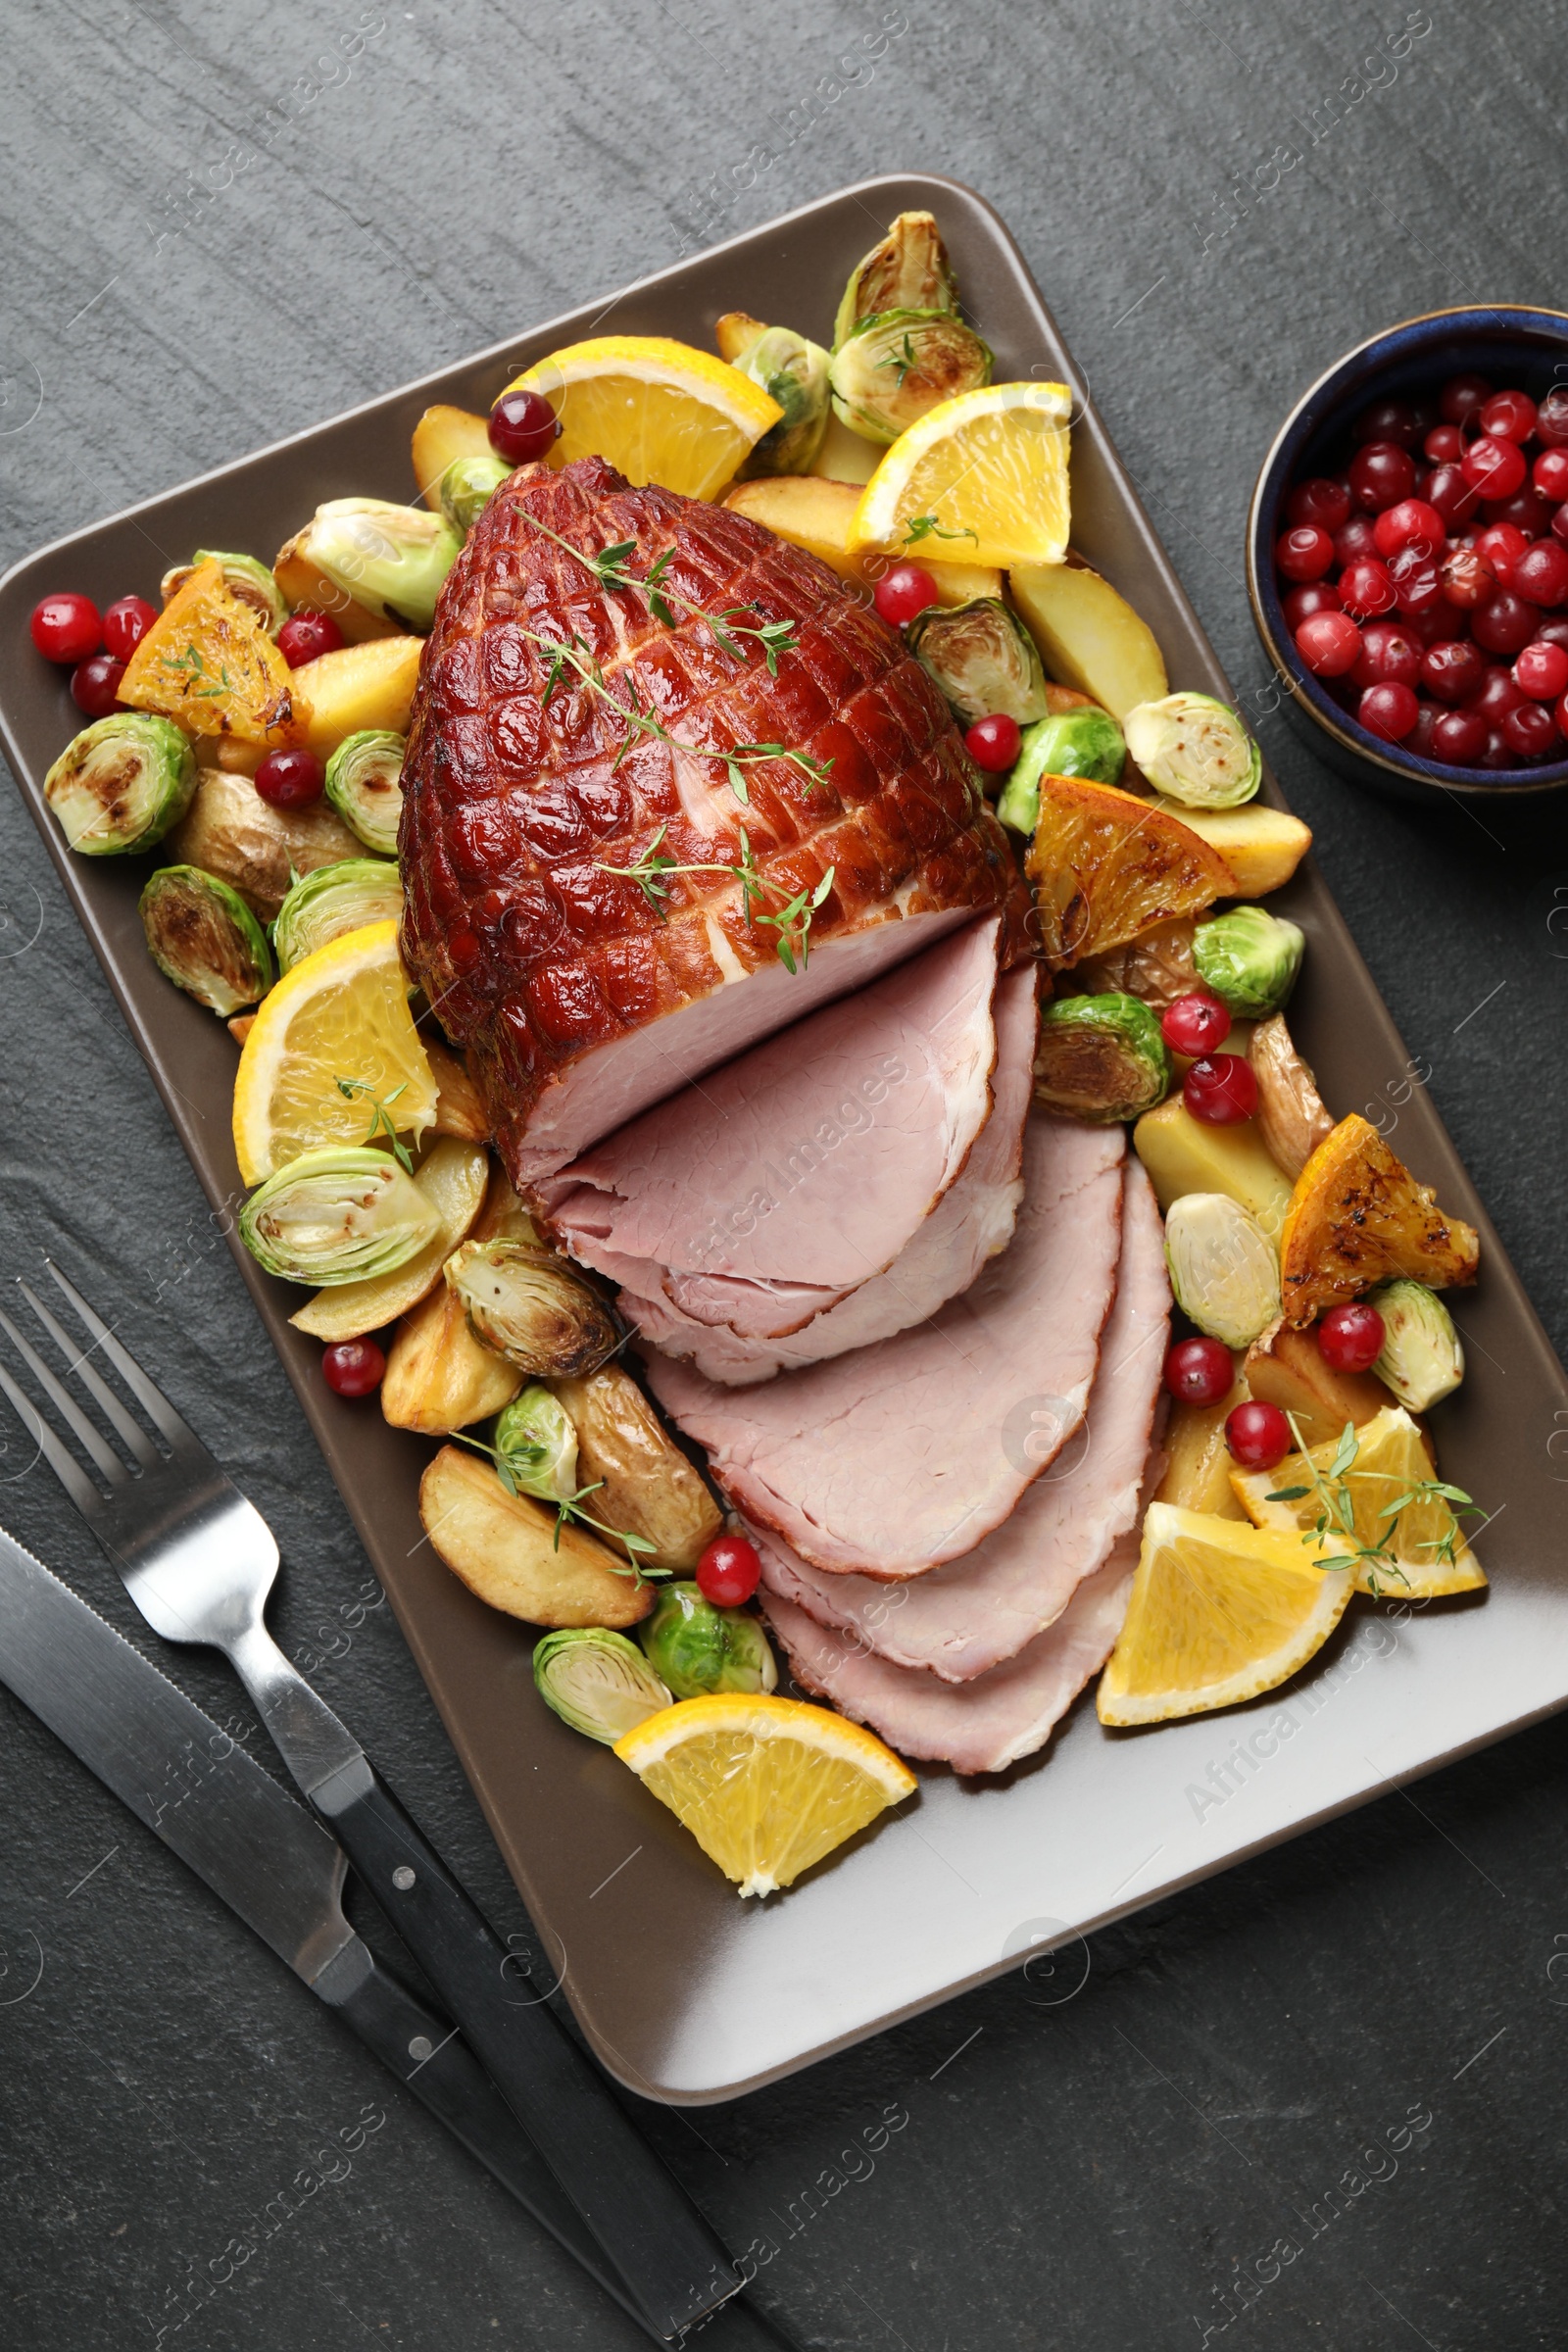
{"x": 686, "y": 1993}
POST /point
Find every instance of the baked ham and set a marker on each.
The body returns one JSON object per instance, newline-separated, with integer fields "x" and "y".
{"x": 829, "y": 1188}
{"x": 579, "y": 1001}
{"x": 968, "y": 1618}
{"x": 889, "y": 1461}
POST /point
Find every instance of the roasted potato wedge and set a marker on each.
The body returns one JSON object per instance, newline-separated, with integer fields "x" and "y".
{"x": 439, "y": 1376}
{"x": 503, "y": 1546}
{"x": 361, "y": 686}
{"x": 443, "y": 435}
{"x": 1156, "y": 966}
{"x": 1262, "y": 847}
{"x": 1089, "y": 635}
{"x": 649, "y": 1488}
{"x": 1291, "y": 1117}
{"x": 1287, "y": 1368}
{"x": 815, "y": 513}
{"x": 304, "y": 583}
{"x": 1185, "y": 1155}
{"x": 1106, "y": 864}
{"x": 230, "y": 831}
{"x": 452, "y": 1176}
{"x": 459, "y": 1107}
{"x": 1198, "y": 1471}
{"x": 1356, "y": 1216}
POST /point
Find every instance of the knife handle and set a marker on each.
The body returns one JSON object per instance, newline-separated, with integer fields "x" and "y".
{"x": 672, "y": 2265}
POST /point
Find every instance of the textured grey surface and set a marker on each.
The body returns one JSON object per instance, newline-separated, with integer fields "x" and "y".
{"x": 215, "y": 237}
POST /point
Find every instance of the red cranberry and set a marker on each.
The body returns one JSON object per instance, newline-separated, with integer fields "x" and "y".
{"x": 1417, "y": 581}
{"x": 992, "y": 743}
{"x": 1365, "y": 588}
{"x": 1498, "y": 751}
{"x": 1443, "y": 445}
{"x": 1452, "y": 496}
{"x": 1493, "y": 467}
{"x": 1541, "y": 671}
{"x": 1453, "y": 671}
{"x": 1411, "y": 523}
{"x": 126, "y": 622}
{"x": 1380, "y": 474}
{"x": 1389, "y": 712}
{"x": 1559, "y": 525}
{"x": 1505, "y": 622}
{"x": 904, "y": 592}
{"x": 290, "y": 779}
{"x": 1305, "y": 552}
{"x": 353, "y": 1367}
{"x": 1540, "y": 573}
{"x": 304, "y": 636}
{"x": 1351, "y": 1338}
{"x": 1553, "y": 631}
{"x": 1221, "y": 1089}
{"x": 1199, "y": 1371}
{"x": 728, "y": 1572}
{"x": 1319, "y": 500}
{"x": 1549, "y": 474}
{"x": 1510, "y": 415}
{"x": 1434, "y": 623}
{"x": 1462, "y": 398}
{"x": 1195, "y": 1024}
{"x": 1551, "y": 418}
{"x": 1495, "y": 696}
{"x": 523, "y": 426}
{"x": 1500, "y": 547}
{"x": 95, "y": 684}
{"x": 1388, "y": 420}
{"x": 1459, "y": 737}
{"x": 1259, "y": 1435}
{"x": 1466, "y": 581}
{"x": 1329, "y": 643}
{"x": 1531, "y": 730}
{"x": 1354, "y": 541}
{"x": 1419, "y": 741}
{"x": 65, "y": 629}
{"x": 1318, "y": 596}
{"x": 1562, "y": 716}
{"x": 1527, "y": 511}
{"x": 1387, "y": 653}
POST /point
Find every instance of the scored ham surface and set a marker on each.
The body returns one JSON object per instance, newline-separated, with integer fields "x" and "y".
{"x": 581, "y": 1003}
{"x": 966, "y": 1618}
{"x": 896, "y": 1457}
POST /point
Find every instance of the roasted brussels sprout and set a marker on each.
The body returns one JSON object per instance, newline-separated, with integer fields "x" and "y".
{"x": 698, "y": 1649}
{"x": 391, "y": 560}
{"x": 893, "y": 368}
{"x": 794, "y": 373}
{"x": 1223, "y": 1270}
{"x": 244, "y": 576}
{"x": 529, "y": 1306}
{"x": 1250, "y": 958}
{"x": 597, "y": 1680}
{"x": 121, "y": 783}
{"x": 909, "y": 271}
{"x": 335, "y": 898}
{"x": 340, "y": 1215}
{"x": 466, "y": 488}
{"x": 1422, "y": 1360}
{"x": 202, "y": 936}
{"x": 1194, "y": 750}
{"x": 364, "y": 785}
{"x": 536, "y": 1444}
{"x": 983, "y": 659}
{"x": 1083, "y": 742}
{"x": 1100, "y": 1058}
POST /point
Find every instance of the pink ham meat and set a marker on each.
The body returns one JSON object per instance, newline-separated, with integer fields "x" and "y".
{"x": 887, "y": 1461}
{"x": 983, "y": 1726}
{"x": 965, "y": 1619}
{"x": 755, "y": 1201}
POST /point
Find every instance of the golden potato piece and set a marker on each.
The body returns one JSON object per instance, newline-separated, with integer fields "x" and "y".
{"x": 815, "y": 513}
{"x": 1356, "y": 1216}
{"x": 1198, "y": 1464}
{"x": 304, "y": 583}
{"x": 503, "y": 1546}
{"x": 1291, "y": 1117}
{"x": 230, "y": 831}
{"x": 452, "y": 1176}
{"x": 1156, "y": 966}
{"x": 369, "y": 685}
{"x": 459, "y": 1106}
{"x": 1184, "y": 1155}
{"x": 439, "y": 1376}
{"x": 1089, "y": 635}
{"x": 1287, "y": 1368}
{"x": 650, "y": 1487}
{"x": 1261, "y": 846}
{"x": 1106, "y": 864}
{"x": 443, "y": 435}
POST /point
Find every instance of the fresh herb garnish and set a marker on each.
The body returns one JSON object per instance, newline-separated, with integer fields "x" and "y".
{"x": 902, "y": 363}
{"x": 926, "y": 526}
{"x": 569, "y": 1509}
{"x": 190, "y": 664}
{"x": 610, "y": 568}
{"x": 792, "y": 922}
{"x": 1335, "y": 1513}
{"x": 380, "y": 1116}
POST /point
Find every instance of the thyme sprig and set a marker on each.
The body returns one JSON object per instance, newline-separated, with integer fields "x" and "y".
{"x": 792, "y": 921}
{"x": 380, "y": 1116}
{"x": 568, "y": 1507}
{"x": 902, "y": 363}
{"x": 1335, "y": 1513}
{"x": 926, "y": 526}
{"x": 611, "y": 570}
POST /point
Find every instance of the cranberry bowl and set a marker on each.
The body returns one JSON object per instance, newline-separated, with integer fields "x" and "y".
{"x": 1407, "y": 557}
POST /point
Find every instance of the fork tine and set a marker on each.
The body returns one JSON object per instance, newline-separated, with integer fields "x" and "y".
{"x": 147, "y": 1394}
{"x": 76, "y": 1420}
{"x": 109, "y": 1404}
{"x": 78, "y": 1485}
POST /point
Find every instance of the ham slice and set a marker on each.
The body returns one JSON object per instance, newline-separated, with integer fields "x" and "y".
{"x": 965, "y": 1619}
{"x": 759, "y": 1200}
{"x": 893, "y": 1459}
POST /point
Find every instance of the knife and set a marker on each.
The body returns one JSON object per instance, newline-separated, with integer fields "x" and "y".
{"x": 280, "y": 1871}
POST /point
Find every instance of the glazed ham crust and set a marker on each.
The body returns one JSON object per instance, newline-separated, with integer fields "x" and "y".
{"x": 519, "y": 794}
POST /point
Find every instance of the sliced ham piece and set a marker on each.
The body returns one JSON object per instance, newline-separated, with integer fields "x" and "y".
{"x": 764, "y": 1197}
{"x": 965, "y": 1619}
{"x": 893, "y": 1459}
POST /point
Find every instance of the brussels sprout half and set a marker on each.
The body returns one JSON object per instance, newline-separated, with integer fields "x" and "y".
{"x": 895, "y": 366}
{"x": 529, "y": 1306}
{"x": 1250, "y": 958}
{"x": 466, "y": 488}
{"x": 364, "y": 785}
{"x": 983, "y": 659}
{"x": 909, "y": 271}
{"x": 596, "y": 1682}
{"x": 794, "y": 373}
{"x": 323, "y": 905}
{"x": 698, "y": 1649}
{"x": 1100, "y": 1058}
{"x": 1085, "y": 742}
{"x": 391, "y": 560}
{"x": 1422, "y": 1360}
{"x": 1194, "y": 750}
{"x": 1223, "y": 1269}
{"x": 536, "y": 1444}
{"x": 340, "y": 1215}
{"x": 121, "y": 783}
{"x": 244, "y": 576}
{"x": 202, "y": 936}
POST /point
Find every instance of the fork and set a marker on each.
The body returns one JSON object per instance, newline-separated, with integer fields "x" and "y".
{"x": 199, "y": 1561}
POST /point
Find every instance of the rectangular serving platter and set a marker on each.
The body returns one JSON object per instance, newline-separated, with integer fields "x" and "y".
{"x": 687, "y": 1994}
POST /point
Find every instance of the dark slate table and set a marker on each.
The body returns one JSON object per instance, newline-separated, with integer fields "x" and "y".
{"x": 224, "y": 222}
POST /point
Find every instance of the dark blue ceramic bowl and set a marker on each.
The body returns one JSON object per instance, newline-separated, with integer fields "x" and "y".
{"x": 1510, "y": 344}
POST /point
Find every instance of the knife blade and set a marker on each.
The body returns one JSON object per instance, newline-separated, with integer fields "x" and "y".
{"x": 278, "y": 1870}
